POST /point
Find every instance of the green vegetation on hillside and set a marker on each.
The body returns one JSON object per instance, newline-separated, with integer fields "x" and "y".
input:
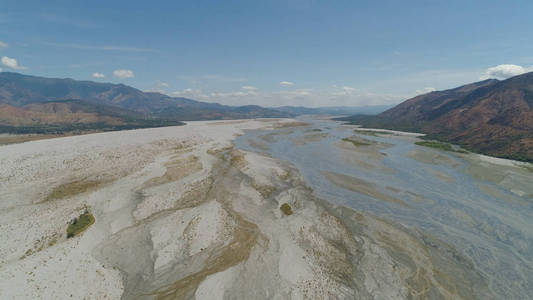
{"x": 80, "y": 224}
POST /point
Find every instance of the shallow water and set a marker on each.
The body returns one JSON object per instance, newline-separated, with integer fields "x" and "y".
{"x": 493, "y": 229}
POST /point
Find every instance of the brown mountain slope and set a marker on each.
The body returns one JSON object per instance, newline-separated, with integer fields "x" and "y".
{"x": 72, "y": 115}
{"x": 491, "y": 117}
{"x": 19, "y": 90}
{"x": 32, "y": 104}
{"x": 50, "y": 113}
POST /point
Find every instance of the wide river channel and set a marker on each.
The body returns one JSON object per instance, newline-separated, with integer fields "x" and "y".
{"x": 480, "y": 205}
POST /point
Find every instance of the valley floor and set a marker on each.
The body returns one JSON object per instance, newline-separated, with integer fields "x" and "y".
{"x": 179, "y": 213}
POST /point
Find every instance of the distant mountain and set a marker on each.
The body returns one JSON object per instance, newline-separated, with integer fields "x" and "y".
{"x": 492, "y": 117}
{"x": 31, "y": 98}
{"x": 334, "y": 110}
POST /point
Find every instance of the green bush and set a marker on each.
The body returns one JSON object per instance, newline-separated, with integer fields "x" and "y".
{"x": 286, "y": 209}
{"x": 80, "y": 224}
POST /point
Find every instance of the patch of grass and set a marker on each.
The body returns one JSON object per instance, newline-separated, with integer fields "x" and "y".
{"x": 436, "y": 145}
{"x": 286, "y": 209}
{"x": 371, "y": 133}
{"x": 355, "y": 143}
{"x": 440, "y": 146}
{"x": 80, "y": 224}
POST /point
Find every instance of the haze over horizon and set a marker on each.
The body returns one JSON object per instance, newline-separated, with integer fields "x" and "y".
{"x": 272, "y": 53}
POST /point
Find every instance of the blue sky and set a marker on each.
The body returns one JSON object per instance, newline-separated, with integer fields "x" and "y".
{"x": 297, "y": 52}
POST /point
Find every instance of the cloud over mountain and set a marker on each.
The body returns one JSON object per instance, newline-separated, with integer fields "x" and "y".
{"x": 98, "y": 75}
{"x": 505, "y": 71}
{"x": 425, "y": 90}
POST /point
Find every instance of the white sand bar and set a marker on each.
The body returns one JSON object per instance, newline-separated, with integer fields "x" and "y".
{"x": 180, "y": 214}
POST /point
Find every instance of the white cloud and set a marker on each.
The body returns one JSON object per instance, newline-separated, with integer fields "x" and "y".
{"x": 344, "y": 91}
{"x": 425, "y": 90}
{"x": 98, "y": 75}
{"x": 12, "y": 63}
{"x": 298, "y": 94}
{"x": 3, "y": 45}
{"x": 505, "y": 71}
{"x": 249, "y": 88}
{"x": 332, "y": 96}
{"x": 195, "y": 94}
{"x": 122, "y": 74}
{"x": 162, "y": 84}
{"x": 286, "y": 83}
{"x": 236, "y": 94}
{"x": 348, "y": 89}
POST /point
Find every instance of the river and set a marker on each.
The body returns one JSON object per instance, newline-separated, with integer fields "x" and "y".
{"x": 481, "y": 206}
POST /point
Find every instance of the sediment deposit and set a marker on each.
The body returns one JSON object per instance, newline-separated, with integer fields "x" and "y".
{"x": 181, "y": 214}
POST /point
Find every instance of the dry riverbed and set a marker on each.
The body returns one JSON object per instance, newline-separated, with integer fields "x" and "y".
{"x": 180, "y": 214}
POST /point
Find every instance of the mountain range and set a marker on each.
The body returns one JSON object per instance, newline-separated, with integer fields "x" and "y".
{"x": 334, "y": 110}
{"x": 491, "y": 117}
{"x": 32, "y": 104}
